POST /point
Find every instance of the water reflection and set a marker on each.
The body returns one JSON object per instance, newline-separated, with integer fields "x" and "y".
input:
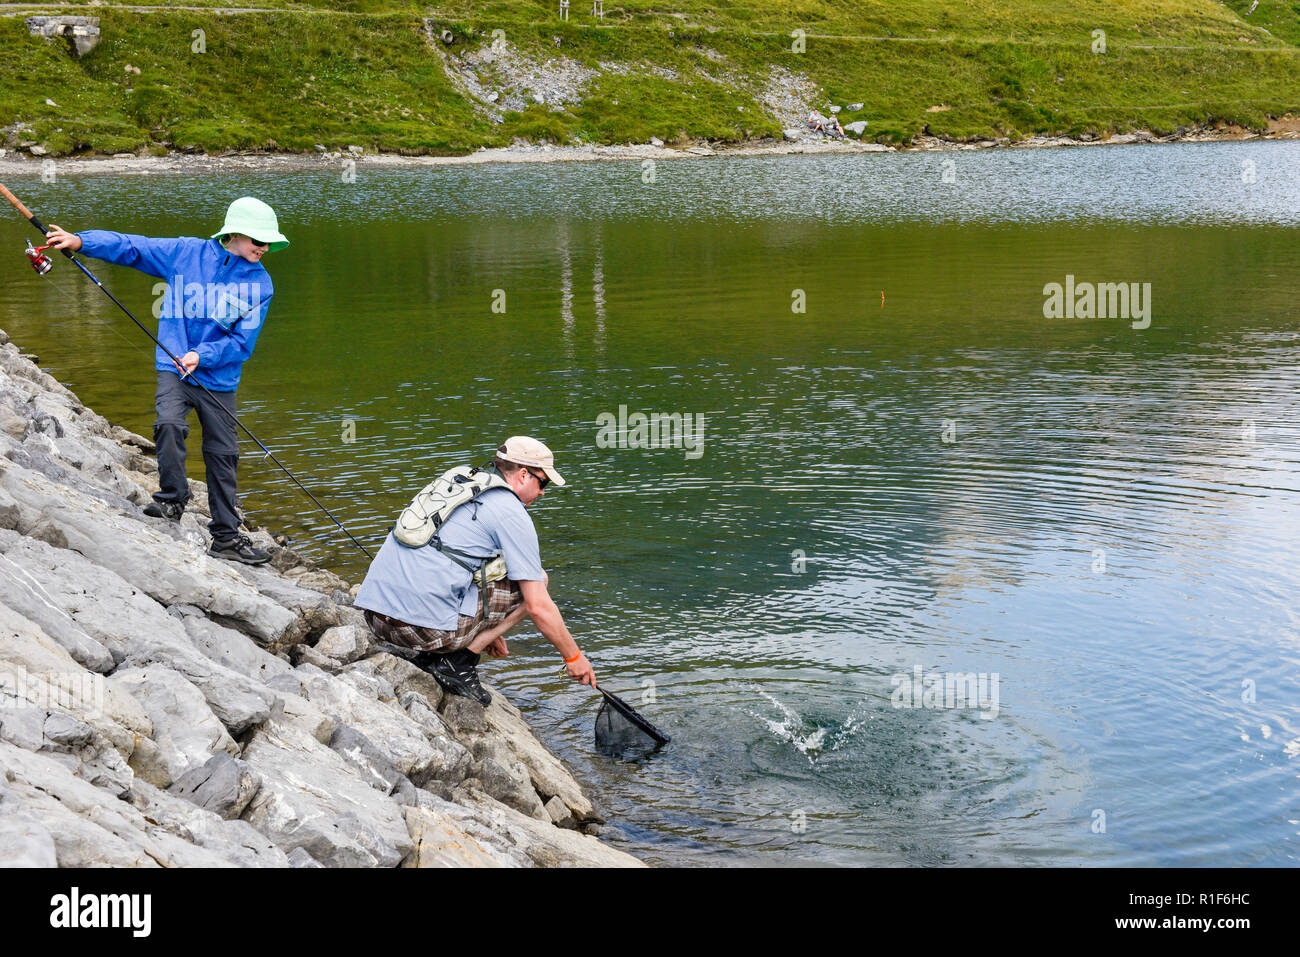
{"x": 1106, "y": 518}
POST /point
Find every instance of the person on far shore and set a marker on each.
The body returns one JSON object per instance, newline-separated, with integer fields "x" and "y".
{"x": 218, "y": 293}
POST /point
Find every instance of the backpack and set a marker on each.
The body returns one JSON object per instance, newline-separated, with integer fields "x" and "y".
{"x": 420, "y": 522}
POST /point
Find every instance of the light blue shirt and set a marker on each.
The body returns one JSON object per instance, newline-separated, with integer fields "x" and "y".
{"x": 422, "y": 586}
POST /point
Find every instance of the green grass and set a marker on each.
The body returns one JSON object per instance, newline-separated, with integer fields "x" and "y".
{"x": 1279, "y": 17}
{"x": 343, "y": 72}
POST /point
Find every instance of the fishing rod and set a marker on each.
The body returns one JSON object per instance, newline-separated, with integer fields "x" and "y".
{"x": 42, "y": 264}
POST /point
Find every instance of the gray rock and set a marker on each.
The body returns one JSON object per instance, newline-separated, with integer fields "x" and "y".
{"x": 506, "y": 779}
{"x": 224, "y": 785}
{"x": 73, "y": 743}
{"x": 365, "y": 677}
{"x": 296, "y": 710}
{"x": 311, "y": 798}
{"x": 405, "y": 793}
{"x": 440, "y": 842}
{"x": 163, "y": 568}
{"x": 238, "y": 702}
{"x": 43, "y": 673}
{"x": 81, "y": 32}
{"x": 857, "y": 127}
{"x": 287, "y": 682}
{"x": 185, "y": 729}
{"x": 405, "y": 676}
{"x": 300, "y": 858}
{"x": 234, "y": 841}
{"x": 464, "y": 715}
{"x": 233, "y": 650}
{"x": 89, "y": 826}
{"x": 387, "y": 725}
{"x": 454, "y": 760}
{"x": 559, "y": 813}
{"x": 150, "y": 763}
{"x": 550, "y": 777}
{"x": 503, "y": 829}
{"x": 24, "y": 841}
{"x": 25, "y": 595}
{"x": 316, "y": 611}
{"x": 306, "y": 654}
{"x": 357, "y": 750}
{"x": 345, "y": 643}
{"x": 133, "y": 627}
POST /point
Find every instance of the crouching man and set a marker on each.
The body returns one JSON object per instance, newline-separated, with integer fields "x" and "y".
{"x": 462, "y": 566}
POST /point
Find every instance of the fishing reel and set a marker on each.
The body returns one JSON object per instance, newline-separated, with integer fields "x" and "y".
{"x": 36, "y": 255}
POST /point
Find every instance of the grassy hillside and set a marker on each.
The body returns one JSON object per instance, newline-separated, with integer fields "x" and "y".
{"x": 367, "y": 72}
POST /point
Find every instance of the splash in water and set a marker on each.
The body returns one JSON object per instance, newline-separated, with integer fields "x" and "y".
{"x": 811, "y": 736}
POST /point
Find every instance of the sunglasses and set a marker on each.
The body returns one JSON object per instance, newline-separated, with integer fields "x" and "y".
{"x": 258, "y": 243}
{"x": 542, "y": 480}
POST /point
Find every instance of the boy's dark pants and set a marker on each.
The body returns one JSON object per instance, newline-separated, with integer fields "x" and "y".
{"x": 172, "y": 403}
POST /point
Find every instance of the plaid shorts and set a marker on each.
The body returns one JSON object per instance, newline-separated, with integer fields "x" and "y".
{"x": 503, "y": 597}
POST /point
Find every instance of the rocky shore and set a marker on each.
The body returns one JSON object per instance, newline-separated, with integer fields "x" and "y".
{"x": 162, "y": 708}
{"x": 796, "y": 141}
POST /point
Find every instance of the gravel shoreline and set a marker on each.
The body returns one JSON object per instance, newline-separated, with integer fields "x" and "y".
{"x": 22, "y": 164}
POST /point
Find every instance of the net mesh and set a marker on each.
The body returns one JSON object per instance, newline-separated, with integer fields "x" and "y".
{"x": 622, "y": 733}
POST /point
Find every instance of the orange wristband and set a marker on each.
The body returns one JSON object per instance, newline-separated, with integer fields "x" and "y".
{"x": 569, "y": 661}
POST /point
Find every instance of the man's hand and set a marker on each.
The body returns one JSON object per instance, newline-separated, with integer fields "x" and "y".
{"x": 581, "y": 670}
{"x": 498, "y": 648}
{"x": 541, "y": 609}
{"x": 189, "y": 362}
{"x": 61, "y": 239}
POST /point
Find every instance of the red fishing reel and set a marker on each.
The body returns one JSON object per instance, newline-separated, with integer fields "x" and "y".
{"x": 40, "y": 262}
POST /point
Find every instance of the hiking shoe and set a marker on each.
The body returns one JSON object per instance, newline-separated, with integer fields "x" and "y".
{"x": 239, "y": 549}
{"x": 168, "y": 510}
{"x": 457, "y": 672}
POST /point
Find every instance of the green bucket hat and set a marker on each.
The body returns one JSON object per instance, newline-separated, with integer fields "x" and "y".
{"x": 254, "y": 219}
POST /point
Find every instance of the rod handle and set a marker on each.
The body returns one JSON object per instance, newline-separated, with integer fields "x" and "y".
{"x": 17, "y": 203}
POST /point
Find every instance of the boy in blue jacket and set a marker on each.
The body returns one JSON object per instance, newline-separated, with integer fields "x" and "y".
{"x": 210, "y": 315}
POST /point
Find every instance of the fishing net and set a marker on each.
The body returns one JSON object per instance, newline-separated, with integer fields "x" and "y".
{"x": 622, "y": 733}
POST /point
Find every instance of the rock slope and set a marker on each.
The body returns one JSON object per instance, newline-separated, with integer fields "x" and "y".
{"x": 162, "y": 708}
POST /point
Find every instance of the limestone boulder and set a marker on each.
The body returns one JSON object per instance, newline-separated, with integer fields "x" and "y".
{"x": 134, "y": 628}
{"x": 73, "y": 743}
{"x": 223, "y": 785}
{"x": 439, "y": 842}
{"x": 386, "y": 724}
{"x": 35, "y": 668}
{"x": 405, "y": 676}
{"x": 232, "y": 649}
{"x": 311, "y": 798}
{"x": 550, "y": 776}
{"x": 454, "y": 759}
{"x": 234, "y": 841}
{"x": 185, "y": 729}
{"x": 168, "y": 571}
{"x": 503, "y": 828}
{"x": 24, "y": 841}
{"x": 89, "y": 826}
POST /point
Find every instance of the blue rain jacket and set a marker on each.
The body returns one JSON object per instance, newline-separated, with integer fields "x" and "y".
{"x": 214, "y": 303}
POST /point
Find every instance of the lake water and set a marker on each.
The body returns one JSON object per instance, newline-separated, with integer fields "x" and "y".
{"x": 917, "y": 476}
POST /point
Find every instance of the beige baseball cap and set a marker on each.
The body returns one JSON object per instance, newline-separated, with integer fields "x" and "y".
{"x": 523, "y": 450}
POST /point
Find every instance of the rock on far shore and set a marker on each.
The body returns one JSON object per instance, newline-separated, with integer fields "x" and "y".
{"x": 162, "y": 708}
